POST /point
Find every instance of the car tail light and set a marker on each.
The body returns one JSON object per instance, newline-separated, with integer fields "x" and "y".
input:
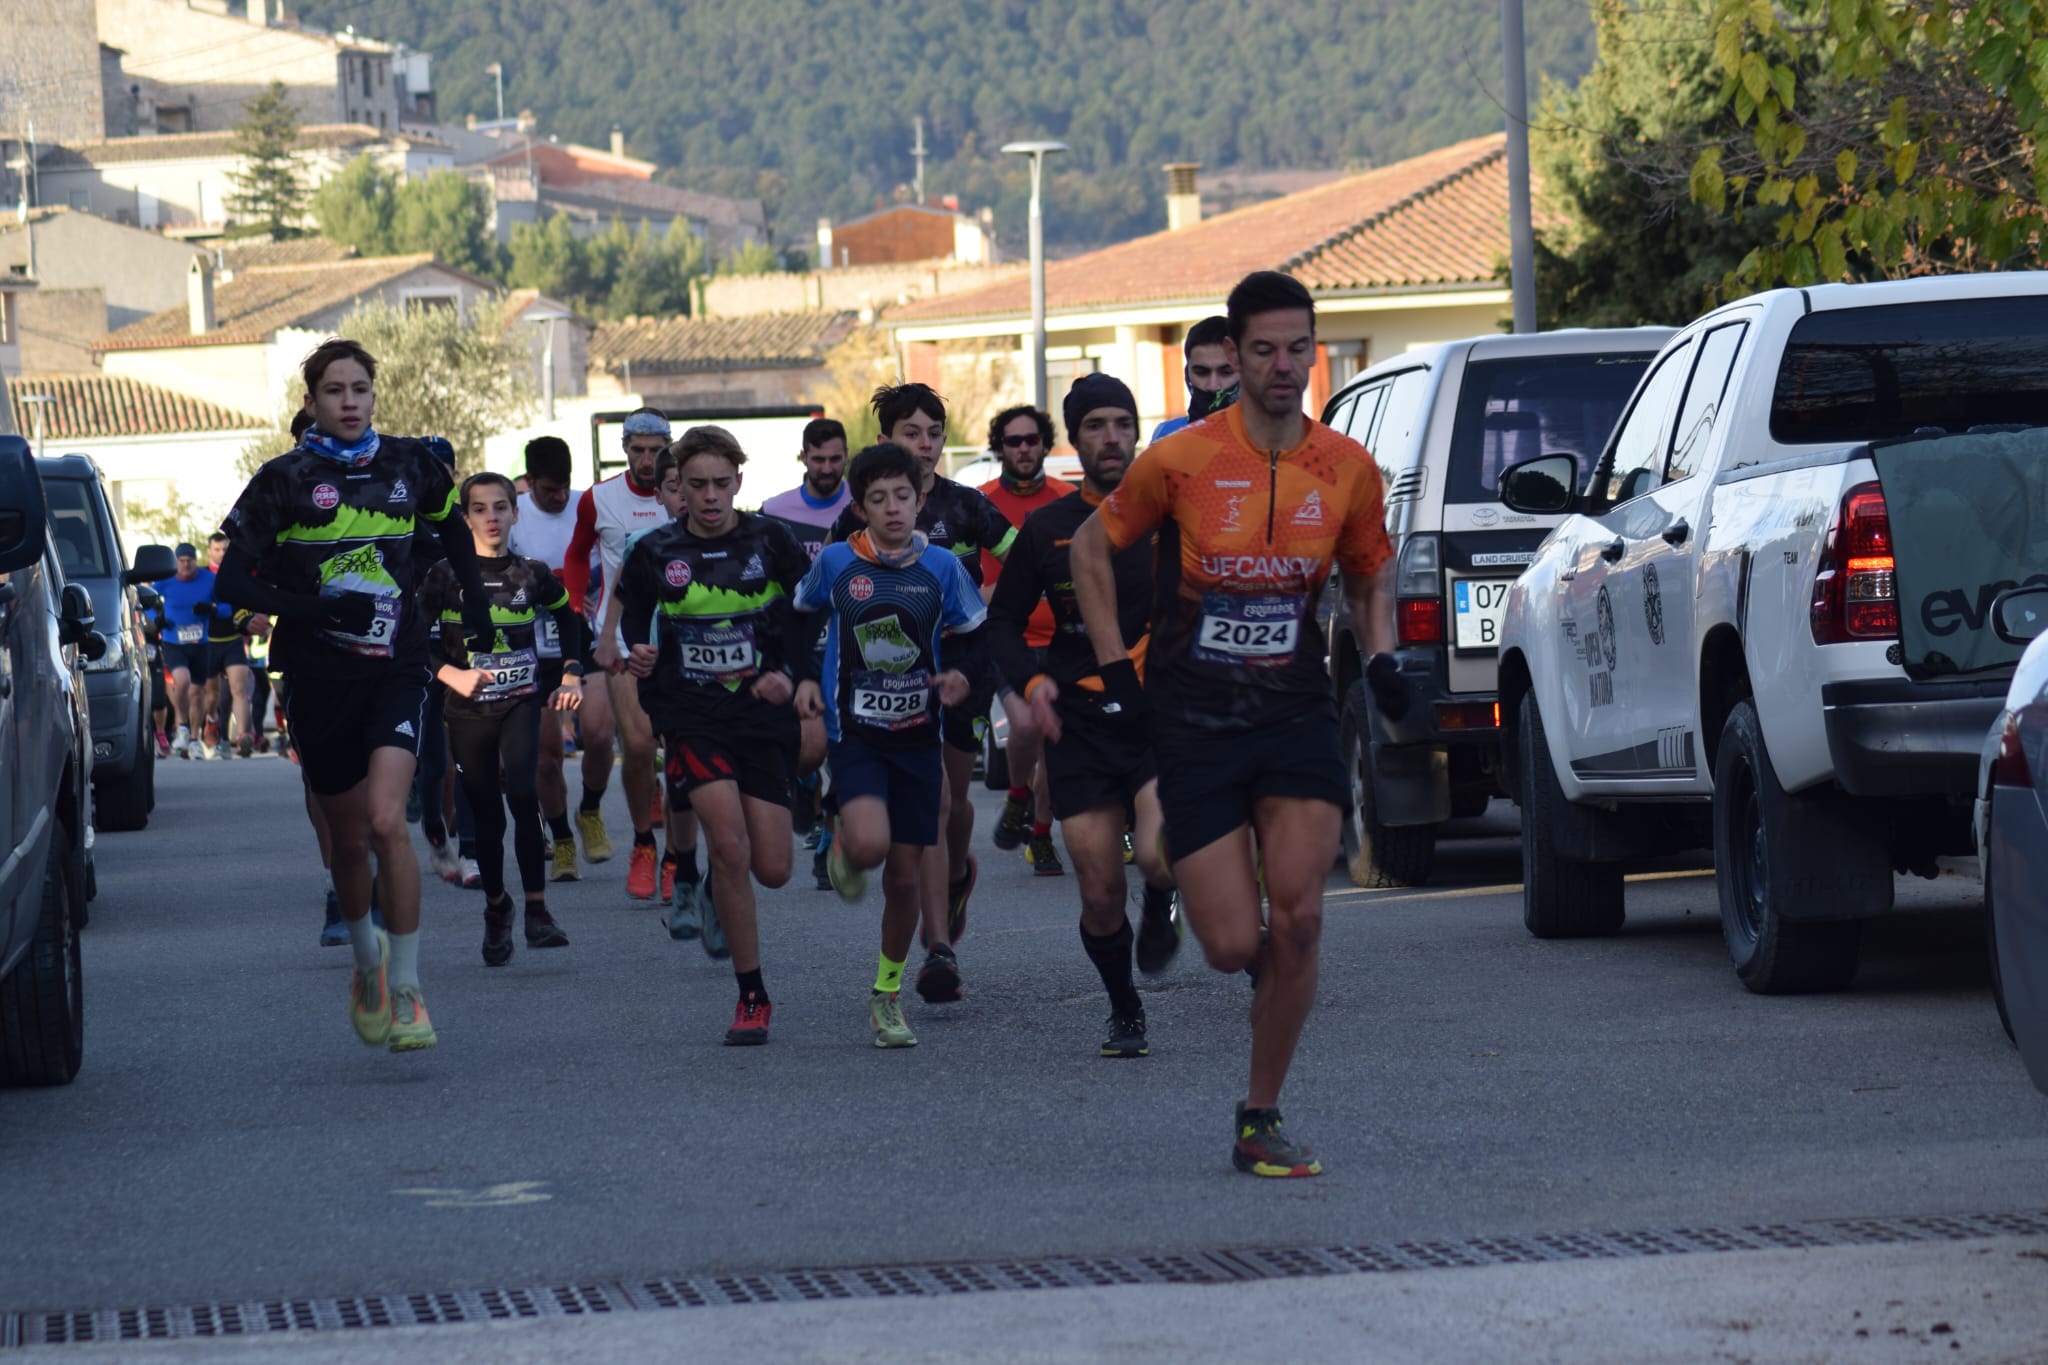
{"x": 1419, "y": 620}
{"x": 2009, "y": 769}
{"x": 1469, "y": 715}
{"x": 1855, "y": 594}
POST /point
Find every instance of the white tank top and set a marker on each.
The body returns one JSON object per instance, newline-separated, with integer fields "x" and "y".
{"x": 620, "y": 513}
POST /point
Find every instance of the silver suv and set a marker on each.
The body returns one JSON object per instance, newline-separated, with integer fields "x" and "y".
{"x": 1442, "y": 422}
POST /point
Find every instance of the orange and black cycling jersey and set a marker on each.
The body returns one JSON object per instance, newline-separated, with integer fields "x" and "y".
{"x": 1247, "y": 537}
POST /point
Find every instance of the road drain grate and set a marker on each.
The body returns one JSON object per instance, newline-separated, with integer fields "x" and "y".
{"x": 938, "y": 1280}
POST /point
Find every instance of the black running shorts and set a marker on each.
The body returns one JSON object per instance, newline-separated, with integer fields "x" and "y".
{"x": 1098, "y": 762}
{"x": 761, "y": 762}
{"x": 962, "y": 726}
{"x": 1208, "y": 782}
{"x": 336, "y": 722}
{"x": 192, "y": 658}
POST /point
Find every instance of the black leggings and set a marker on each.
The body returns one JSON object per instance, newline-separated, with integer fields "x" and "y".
{"x": 483, "y": 749}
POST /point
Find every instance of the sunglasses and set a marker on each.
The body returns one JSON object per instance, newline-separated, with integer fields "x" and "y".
{"x": 1019, "y": 442}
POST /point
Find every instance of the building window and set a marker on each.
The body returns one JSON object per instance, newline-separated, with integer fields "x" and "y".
{"x": 1347, "y": 360}
{"x": 421, "y": 303}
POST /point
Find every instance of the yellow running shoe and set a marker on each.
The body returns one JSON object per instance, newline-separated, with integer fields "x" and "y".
{"x": 564, "y": 869}
{"x": 371, "y": 1013}
{"x": 596, "y": 847}
{"x": 849, "y": 881}
{"x": 885, "y": 1017}
{"x": 411, "y": 1030}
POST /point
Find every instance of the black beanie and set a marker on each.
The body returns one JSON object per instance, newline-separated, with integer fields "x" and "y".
{"x": 1092, "y": 391}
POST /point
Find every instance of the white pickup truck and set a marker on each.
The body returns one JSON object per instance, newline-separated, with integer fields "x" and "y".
{"x": 1764, "y": 626}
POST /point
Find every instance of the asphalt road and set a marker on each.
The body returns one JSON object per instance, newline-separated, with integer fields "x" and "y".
{"x": 229, "y": 1138}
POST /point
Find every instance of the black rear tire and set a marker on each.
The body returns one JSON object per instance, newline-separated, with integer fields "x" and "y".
{"x": 1378, "y": 856}
{"x": 123, "y": 803}
{"x": 1561, "y": 897}
{"x": 1775, "y": 851}
{"x": 42, "y": 1001}
{"x": 1991, "y": 939}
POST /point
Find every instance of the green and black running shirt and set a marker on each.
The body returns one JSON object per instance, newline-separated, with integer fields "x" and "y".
{"x": 317, "y": 527}
{"x": 720, "y": 610}
{"x": 521, "y": 590}
{"x": 955, "y": 517}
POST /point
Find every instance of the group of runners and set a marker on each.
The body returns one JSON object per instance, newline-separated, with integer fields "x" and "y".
{"x": 1151, "y": 635}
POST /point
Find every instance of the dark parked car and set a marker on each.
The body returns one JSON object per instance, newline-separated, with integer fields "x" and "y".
{"x": 2012, "y": 832}
{"x": 89, "y": 550}
{"x": 46, "y": 628}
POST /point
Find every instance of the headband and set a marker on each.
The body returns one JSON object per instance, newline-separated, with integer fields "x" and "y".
{"x": 647, "y": 424}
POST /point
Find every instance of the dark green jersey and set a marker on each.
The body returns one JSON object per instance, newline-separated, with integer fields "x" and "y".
{"x": 719, "y": 610}
{"x": 529, "y": 608}
{"x": 317, "y": 527}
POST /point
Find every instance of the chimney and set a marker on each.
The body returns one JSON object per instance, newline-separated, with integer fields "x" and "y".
{"x": 1183, "y": 198}
{"x": 618, "y": 140}
{"x": 824, "y": 243}
{"x": 199, "y": 296}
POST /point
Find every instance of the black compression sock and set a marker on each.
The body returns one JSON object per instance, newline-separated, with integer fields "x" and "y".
{"x": 558, "y": 826}
{"x": 1111, "y": 954}
{"x": 686, "y": 864}
{"x": 591, "y": 799}
{"x": 644, "y": 839}
{"x": 750, "y": 984}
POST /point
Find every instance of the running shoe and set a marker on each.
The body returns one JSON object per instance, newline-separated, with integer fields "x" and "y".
{"x": 412, "y": 804}
{"x": 885, "y": 1017}
{"x": 220, "y": 751}
{"x": 749, "y": 1023}
{"x": 668, "y": 880}
{"x": 369, "y": 1004}
{"x": 1130, "y": 852}
{"x": 938, "y": 981}
{"x": 715, "y": 946}
{"x": 597, "y": 846}
{"x": 821, "y": 874}
{"x": 1044, "y": 860}
{"x": 640, "y": 872}
{"x": 956, "y": 901}
{"x": 182, "y": 744}
{"x": 472, "y": 875}
{"x": 443, "y": 859}
{"x": 263, "y": 744}
{"x": 681, "y": 916}
{"x": 498, "y": 934}
{"x": 210, "y": 736}
{"x": 245, "y": 747}
{"x": 334, "y": 933}
{"x": 849, "y": 881}
{"x": 1126, "y": 1037}
{"x": 411, "y": 1030}
{"x": 542, "y": 931}
{"x": 1263, "y": 1147}
{"x": 564, "y": 869}
{"x": 1014, "y": 824}
{"x": 163, "y": 745}
{"x": 1159, "y": 931}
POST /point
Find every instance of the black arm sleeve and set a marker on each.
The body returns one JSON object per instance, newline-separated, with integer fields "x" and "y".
{"x": 1017, "y": 595}
{"x": 575, "y": 635}
{"x": 636, "y": 598}
{"x": 459, "y": 548}
{"x": 236, "y": 583}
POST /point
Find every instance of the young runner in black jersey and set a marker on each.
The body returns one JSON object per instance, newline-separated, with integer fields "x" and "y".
{"x": 706, "y": 606}
{"x": 960, "y": 519}
{"x": 494, "y": 705}
{"x": 1101, "y": 771}
{"x": 321, "y": 540}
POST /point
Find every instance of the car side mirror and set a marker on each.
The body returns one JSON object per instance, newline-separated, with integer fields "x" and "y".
{"x": 74, "y": 622}
{"x": 1544, "y": 486}
{"x": 153, "y": 564}
{"x": 24, "y": 530}
{"x": 148, "y": 598}
{"x": 2020, "y": 614}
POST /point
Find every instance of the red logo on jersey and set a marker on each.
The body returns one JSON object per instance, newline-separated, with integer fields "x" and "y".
{"x": 861, "y": 589}
{"x": 677, "y": 573}
{"x": 326, "y": 497}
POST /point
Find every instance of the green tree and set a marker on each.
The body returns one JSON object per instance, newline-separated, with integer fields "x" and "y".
{"x": 356, "y": 208}
{"x": 269, "y": 192}
{"x": 1881, "y": 139}
{"x": 548, "y": 257}
{"x": 450, "y": 215}
{"x": 755, "y": 258}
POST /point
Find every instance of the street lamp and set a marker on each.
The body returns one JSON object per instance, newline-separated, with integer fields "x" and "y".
{"x": 1521, "y": 226}
{"x": 548, "y": 317}
{"x": 498, "y": 69}
{"x": 1037, "y": 151}
{"x": 39, "y": 401}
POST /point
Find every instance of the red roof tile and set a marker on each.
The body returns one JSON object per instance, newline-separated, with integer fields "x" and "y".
{"x": 762, "y": 341}
{"x": 254, "y": 305}
{"x": 90, "y": 405}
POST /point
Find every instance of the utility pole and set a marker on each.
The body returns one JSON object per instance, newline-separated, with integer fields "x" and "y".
{"x": 1037, "y": 152}
{"x": 918, "y": 152}
{"x": 1521, "y": 226}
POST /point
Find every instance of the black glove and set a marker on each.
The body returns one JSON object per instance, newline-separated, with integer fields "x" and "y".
{"x": 1383, "y": 677}
{"x": 351, "y": 613}
{"x": 1122, "y": 694}
{"x": 203, "y": 610}
{"x": 479, "y": 630}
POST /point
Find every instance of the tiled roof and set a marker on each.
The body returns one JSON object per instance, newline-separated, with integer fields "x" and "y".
{"x": 517, "y": 301}
{"x": 613, "y": 192}
{"x": 114, "y": 405}
{"x": 255, "y": 304}
{"x": 294, "y": 251}
{"x": 764, "y": 341}
{"x": 109, "y": 151}
{"x": 1435, "y": 219}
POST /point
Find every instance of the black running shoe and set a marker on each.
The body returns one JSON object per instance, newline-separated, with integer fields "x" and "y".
{"x": 1044, "y": 860}
{"x": 818, "y": 873}
{"x": 541, "y": 929}
{"x": 956, "y": 900}
{"x": 1263, "y": 1147}
{"x": 1159, "y": 931}
{"x": 1126, "y": 1037}
{"x": 938, "y": 981}
{"x": 1013, "y": 826}
{"x": 498, "y": 934}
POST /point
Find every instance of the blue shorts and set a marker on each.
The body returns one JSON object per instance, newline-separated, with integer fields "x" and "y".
{"x": 192, "y": 658}
{"x": 907, "y": 780}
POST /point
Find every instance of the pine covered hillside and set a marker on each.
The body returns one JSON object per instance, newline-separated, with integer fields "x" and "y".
{"x": 808, "y": 103}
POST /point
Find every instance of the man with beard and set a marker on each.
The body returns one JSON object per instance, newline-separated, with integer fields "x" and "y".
{"x": 1210, "y": 373}
{"x": 810, "y": 508}
{"x": 1253, "y": 509}
{"x": 1019, "y": 438}
{"x": 1100, "y": 770}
